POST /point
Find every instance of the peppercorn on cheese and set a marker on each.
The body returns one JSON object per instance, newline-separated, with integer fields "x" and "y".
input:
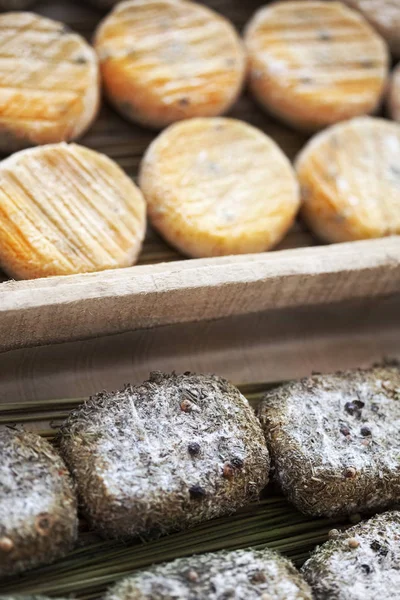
{"x": 361, "y": 563}
{"x": 172, "y": 452}
{"x": 315, "y": 63}
{"x": 217, "y": 187}
{"x": 38, "y": 508}
{"x": 167, "y": 60}
{"x": 384, "y": 15}
{"x": 66, "y": 209}
{"x": 334, "y": 440}
{"x": 236, "y": 575}
{"x": 394, "y": 95}
{"x": 350, "y": 180}
{"x": 49, "y": 82}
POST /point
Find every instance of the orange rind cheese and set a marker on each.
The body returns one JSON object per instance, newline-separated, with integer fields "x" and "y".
{"x": 218, "y": 186}
{"x": 394, "y": 95}
{"x": 384, "y": 15}
{"x": 167, "y": 60}
{"x": 66, "y": 209}
{"x": 350, "y": 180}
{"x": 49, "y": 82}
{"x": 315, "y": 63}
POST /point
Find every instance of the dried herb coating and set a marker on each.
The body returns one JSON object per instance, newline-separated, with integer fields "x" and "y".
{"x": 335, "y": 440}
{"x": 38, "y": 510}
{"x": 134, "y": 458}
{"x": 239, "y": 575}
{"x": 362, "y": 563}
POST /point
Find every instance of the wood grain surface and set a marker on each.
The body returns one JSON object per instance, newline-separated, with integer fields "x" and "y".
{"x": 62, "y": 309}
{"x": 263, "y": 347}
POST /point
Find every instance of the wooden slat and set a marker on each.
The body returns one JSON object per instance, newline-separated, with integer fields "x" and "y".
{"x": 269, "y": 346}
{"x": 84, "y": 306}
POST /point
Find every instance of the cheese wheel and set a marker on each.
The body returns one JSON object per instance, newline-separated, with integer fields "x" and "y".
{"x": 315, "y": 63}
{"x": 166, "y": 60}
{"x": 49, "y": 82}
{"x": 66, "y": 209}
{"x": 384, "y": 15}
{"x": 394, "y": 95}
{"x": 217, "y": 186}
{"x": 350, "y": 180}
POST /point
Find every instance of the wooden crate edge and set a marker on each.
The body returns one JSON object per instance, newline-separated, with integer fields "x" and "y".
{"x": 63, "y": 309}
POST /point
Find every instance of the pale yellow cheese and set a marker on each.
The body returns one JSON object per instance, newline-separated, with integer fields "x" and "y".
{"x": 350, "y": 180}
{"x": 315, "y": 63}
{"x": 167, "y": 60}
{"x": 217, "y": 186}
{"x": 49, "y": 82}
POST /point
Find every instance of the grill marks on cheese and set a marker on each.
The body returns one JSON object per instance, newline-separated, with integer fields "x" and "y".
{"x": 218, "y": 186}
{"x": 314, "y": 63}
{"x": 49, "y": 82}
{"x": 165, "y": 60}
{"x": 350, "y": 179}
{"x": 67, "y": 209}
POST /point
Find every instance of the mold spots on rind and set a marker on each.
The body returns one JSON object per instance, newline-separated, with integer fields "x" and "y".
{"x": 350, "y": 566}
{"x": 177, "y": 480}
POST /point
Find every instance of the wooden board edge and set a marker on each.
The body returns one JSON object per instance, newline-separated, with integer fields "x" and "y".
{"x": 63, "y": 309}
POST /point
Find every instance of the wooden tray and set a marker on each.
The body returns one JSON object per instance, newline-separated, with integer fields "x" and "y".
{"x": 166, "y": 288}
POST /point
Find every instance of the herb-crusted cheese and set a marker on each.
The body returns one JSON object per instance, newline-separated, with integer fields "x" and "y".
{"x": 38, "y": 509}
{"x": 238, "y": 575}
{"x": 350, "y": 180}
{"x": 172, "y": 452}
{"x": 362, "y": 563}
{"x": 335, "y": 440}
{"x": 49, "y": 82}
